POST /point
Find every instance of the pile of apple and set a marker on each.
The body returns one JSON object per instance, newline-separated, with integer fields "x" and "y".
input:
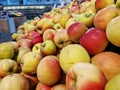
{"x": 76, "y": 47}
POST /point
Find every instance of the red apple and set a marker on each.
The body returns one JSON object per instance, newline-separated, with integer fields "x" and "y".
{"x": 85, "y": 76}
{"x": 49, "y": 34}
{"x": 14, "y": 82}
{"x": 35, "y": 37}
{"x": 108, "y": 63}
{"x": 75, "y": 31}
{"x": 25, "y": 42}
{"x": 61, "y": 38}
{"x": 94, "y": 41}
{"x": 48, "y": 70}
{"x": 41, "y": 86}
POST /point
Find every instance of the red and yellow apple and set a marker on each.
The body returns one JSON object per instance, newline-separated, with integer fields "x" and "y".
{"x": 41, "y": 86}
{"x": 59, "y": 87}
{"x": 108, "y": 63}
{"x": 85, "y": 76}
{"x": 49, "y": 70}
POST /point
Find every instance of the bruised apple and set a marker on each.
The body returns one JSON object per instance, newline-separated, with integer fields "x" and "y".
{"x": 85, "y": 76}
{"x": 108, "y": 63}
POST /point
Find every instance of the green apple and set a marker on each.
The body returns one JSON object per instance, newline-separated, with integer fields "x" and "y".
{"x": 8, "y": 66}
{"x": 36, "y": 47}
{"x": 57, "y": 26}
{"x": 6, "y": 51}
{"x": 14, "y": 82}
{"x": 48, "y": 47}
{"x": 113, "y": 83}
{"x": 71, "y": 54}
{"x": 30, "y": 61}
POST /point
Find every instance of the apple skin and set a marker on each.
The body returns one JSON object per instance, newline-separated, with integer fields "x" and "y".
{"x": 100, "y": 4}
{"x": 114, "y": 83}
{"x": 35, "y": 37}
{"x": 49, "y": 34}
{"x": 112, "y": 67}
{"x": 94, "y": 41}
{"x": 30, "y": 61}
{"x": 36, "y": 48}
{"x": 25, "y": 42}
{"x": 8, "y": 66}
{"x": 49, "y": 68}
{"x": 104, "y": 16}
{"x": 85, "y": 76}
{"x": 71, "y": 54}
{"x": 6, "y": 50}
{"x": 41, "y": 86}
{"x": 61, "y": 38}
{"x": 48, "y": 47}
{"x": 75, "y": 31}
{"x": 14, "y": 82}
{"x": 112, "y": 31}
{"x": 59, "y": 87}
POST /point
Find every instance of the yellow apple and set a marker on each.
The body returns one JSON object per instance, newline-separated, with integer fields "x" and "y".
{"x": 71, "y": 54}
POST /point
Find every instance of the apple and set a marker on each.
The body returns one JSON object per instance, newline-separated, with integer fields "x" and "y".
{"x": 49, "y": 34}
{"x": 94, "y": 41}
{"x": 108, "y": 62}
{"x": 112, "y": 31}
{"x": 29, "y": 62}
{"x": 59, "y": 87}
{"x": 14, "y": 36}
{"x": 75, "y": 31}
{"x": 33, "y": 81}
{"x": 21, "y": 51}
{"x": 64, "y": 19}
{"x": 35, "y": 37}
{"x": 49, "y": 70}
{"x": 8, "y": 66}
{"x": 70, "y": 21}
{"x": 104, "y": 16}
{"x": 15, "y": 45}
{"x": 57, "y": 17}
{"x": 71, "y": 54}
{"x": 35, "y": 20}
{"x": 36, "y": 48}
{"x": 48, "y": 47}
{"x": 61, "y": 38}
{"x": 6, "y": 50}
{"x": 75, "y": 9}
{"x": 114, "y": 83}
{"x": 57, "y": 26}
{"x": 117, "y": 2}
{"x": 14, "y": 82}
{"x": 25, "y": 42}
{"x": 20, "y": 36}
{"x": 100, "y": 4}
{"x": 41, "y": 86}
{"x": 85, "y": 76}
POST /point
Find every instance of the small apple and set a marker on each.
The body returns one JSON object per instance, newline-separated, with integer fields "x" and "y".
{"x": 108, "y": 63}
{"x": 41, "y": 86}
{"x": 6, "y": 50}
{"x": 49, "y": 34}
{"x": 61, "y": 38}
{"x": 15, "y": 45}
{"x": 14, "y": 36}
{"x": 30, "y": 61}
{"x": 94, "y": 41}
{"x": 35, "y": 37}
{"x": 36, "y": 48}
{"x": 57, "y": 17}
{"x": 57, "y": 26}
{"x": 85, "y": 76}
{"x": 14, "y": 82}
{"x": 75, "y": 31}
{"x": 20, "y": 36}
{"x": 48, "y": 47}
{"x": 49, "y": 70}
{"x": 75, "y": 9}
{"x": 59, "y": 87}
{"x": 8, "y": 66}
{"x": 25, "y": 42}
{"x": 114, "y": 83}
{"x": 71, "y": 54}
